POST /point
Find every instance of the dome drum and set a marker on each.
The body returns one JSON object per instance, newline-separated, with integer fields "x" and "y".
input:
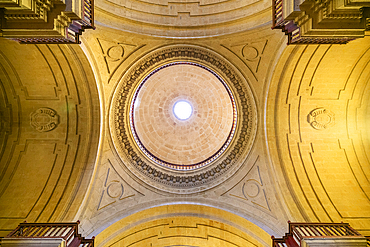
{"x": 140, "y": 150}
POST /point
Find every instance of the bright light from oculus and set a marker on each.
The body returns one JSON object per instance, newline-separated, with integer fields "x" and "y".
{"x": 182, "y": 110}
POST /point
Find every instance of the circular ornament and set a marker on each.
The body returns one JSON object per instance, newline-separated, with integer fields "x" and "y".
{"x": 251, "y": 188}
{"x": 172, "y": 179}
{"x": 320, "y": 118}
{"x": 44, "y": 119}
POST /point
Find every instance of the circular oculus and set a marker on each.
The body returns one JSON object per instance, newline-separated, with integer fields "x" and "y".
{"x": 182, "y": 110}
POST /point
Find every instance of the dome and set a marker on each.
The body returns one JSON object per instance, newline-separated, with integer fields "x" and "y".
{"x": 181, "y": 155}
{"x": 188, "y": 143}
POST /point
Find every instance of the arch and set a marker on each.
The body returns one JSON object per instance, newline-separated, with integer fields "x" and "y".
{"x": 48, "y": 148}
{"x": 183, "y": 225}
{"x": 316, "y": 118}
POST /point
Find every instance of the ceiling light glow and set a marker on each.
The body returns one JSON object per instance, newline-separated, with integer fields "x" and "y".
{"x": 182, "y": 110}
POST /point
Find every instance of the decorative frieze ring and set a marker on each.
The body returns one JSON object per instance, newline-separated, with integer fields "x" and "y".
{"x": 183, "y": 181}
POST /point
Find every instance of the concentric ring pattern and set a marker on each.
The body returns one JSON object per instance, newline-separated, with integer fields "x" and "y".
{"x": 183, "y": 144}
{"x": 145, "y": 131}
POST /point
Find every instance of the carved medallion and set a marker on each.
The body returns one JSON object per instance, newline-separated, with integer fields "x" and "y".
{"x": 320, "y": 118}
{"x": 44, "y": 119}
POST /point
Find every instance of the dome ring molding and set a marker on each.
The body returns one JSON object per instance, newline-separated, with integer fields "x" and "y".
{"x": 167, "y": 179}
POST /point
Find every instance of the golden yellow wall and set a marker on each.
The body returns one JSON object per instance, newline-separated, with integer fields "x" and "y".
{"x": 183, "y": 225}
{"x": 317, "y": 125}
{"x": 49, "y": 109}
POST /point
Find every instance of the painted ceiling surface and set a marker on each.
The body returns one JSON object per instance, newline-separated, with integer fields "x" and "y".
{"x": 291, "y": 122}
